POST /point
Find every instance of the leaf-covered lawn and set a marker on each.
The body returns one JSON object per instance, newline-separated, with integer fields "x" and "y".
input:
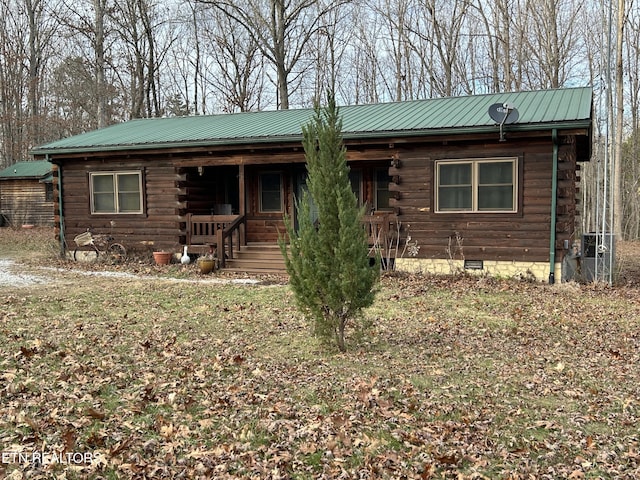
{"x": 453, "y": 378}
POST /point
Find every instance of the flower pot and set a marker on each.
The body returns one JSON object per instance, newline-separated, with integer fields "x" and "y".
{"x": 207, "y": 265}
{"x": 162, "y": 258}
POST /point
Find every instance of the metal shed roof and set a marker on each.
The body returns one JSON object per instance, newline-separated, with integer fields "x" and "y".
{"x": 559, "y": 108}
{"x": 25, "y": 170}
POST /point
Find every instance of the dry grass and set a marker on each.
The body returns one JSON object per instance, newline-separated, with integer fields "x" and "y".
{"x": 454, "y": 377}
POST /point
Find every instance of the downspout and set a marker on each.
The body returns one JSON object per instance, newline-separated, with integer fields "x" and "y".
{"x": 554, "y": 206}
{"x": 62, "y": 247}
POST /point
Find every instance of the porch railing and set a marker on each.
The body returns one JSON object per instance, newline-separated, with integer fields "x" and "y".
{"x": 381, "y": 231}
{"x": 216, "y": 231}
{"x": 226, "y": 235}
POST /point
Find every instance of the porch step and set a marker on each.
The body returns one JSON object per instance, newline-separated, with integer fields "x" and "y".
{"x": 257, "y": 258}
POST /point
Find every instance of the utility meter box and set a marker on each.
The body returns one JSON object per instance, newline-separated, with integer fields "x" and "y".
{"x": 598, "y": 256}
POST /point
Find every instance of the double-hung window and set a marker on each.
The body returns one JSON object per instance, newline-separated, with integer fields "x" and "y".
{"x": 477, "y": 185}
{"x": 116, "y": 192}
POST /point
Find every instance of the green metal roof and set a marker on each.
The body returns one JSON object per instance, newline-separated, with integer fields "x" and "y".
{"x": 23, "y": 170}
{"x": 560, "y": 108}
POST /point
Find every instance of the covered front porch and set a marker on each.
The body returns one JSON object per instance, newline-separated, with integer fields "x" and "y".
{"x": 239, "y": 210}
{"x": 214, "y": 234}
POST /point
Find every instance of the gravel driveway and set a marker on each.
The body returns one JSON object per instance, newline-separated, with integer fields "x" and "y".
{"x": 9, "y": 275}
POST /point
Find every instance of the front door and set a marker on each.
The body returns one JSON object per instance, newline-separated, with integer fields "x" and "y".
{"x": 227, "y": 191}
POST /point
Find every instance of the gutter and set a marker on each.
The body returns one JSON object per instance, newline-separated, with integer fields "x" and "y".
{"x": 554, "y": 206}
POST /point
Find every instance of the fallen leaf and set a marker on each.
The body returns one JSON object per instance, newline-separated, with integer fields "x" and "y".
{"x": 93, "y": 413}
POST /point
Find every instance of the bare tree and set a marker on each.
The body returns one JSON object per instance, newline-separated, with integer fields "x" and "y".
{"x": 395, "y": 17}
{"x": 27, "y": 45}
{"x": 553, "y": 42}
{"x": 185, "y": 61}
{"x": 145, "y": 37}
{"x": 366, "y": 71}
{"x": 281, "y": 30}
{"x": 100, "y": 9}
{"x": 500, "y": 32}
{"x": 41, "y": 31}
{"x": 447, "y": 23}
{"x": 329, "y": 65}
{"x": 87, "y": 26}
{"x": 72, "y": 94}
{"x": 12, "y": 83}
{"x": 630, "y": 160}
{"x": 238, "y": 78}
{"x": 617, "y": 162}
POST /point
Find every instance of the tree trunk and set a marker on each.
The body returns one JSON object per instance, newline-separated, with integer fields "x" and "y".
{"x": 101, "y": 97}
{"x": 34, "y": 71}
{"x": 342, "y": 323}
{"x": 617, "y": 163}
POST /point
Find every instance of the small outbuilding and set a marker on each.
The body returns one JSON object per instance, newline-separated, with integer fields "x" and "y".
{"x": 484, "y": 183}
{"x": 26, "y": 194}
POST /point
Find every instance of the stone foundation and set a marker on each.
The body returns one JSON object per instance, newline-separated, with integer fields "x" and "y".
{"x": 538, "y": 271}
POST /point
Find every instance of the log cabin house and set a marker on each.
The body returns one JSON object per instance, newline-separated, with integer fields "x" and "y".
{"x": 466, "y": 187}
{"x": 26, "y": 194}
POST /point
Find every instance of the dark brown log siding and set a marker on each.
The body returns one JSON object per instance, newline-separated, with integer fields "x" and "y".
{"x": 158, "y": 227}
{"x": 24, "y": 201}
{"x": 524, "y": 235}
{"x": 174, "y": 187}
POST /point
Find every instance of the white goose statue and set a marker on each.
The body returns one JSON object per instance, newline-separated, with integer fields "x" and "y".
{"x": 185, "y": 259}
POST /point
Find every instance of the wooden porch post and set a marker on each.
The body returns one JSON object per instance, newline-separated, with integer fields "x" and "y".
{"x": 242, "y": 200}
{"x": 242, "y": 203}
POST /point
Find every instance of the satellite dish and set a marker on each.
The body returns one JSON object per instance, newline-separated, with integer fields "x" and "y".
{"x": 503, "y": 113}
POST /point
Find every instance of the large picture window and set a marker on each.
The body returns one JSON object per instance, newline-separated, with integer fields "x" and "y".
{"x": 271, "y": 192}
{"x": 476, "y": 185}
{"x": 116, "y": 192}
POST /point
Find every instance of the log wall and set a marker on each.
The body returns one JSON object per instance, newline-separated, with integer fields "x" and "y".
{"x": 24, "y": 201}
{"x": 158, "y": 227}
{"x": 520, "y": 236}
{"x": 173, "y": 187}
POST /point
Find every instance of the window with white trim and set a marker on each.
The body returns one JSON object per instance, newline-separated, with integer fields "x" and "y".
{"x": 271, "y": 192}
{"x": 477, "y": 185}
{"x": 116, "y": 192}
